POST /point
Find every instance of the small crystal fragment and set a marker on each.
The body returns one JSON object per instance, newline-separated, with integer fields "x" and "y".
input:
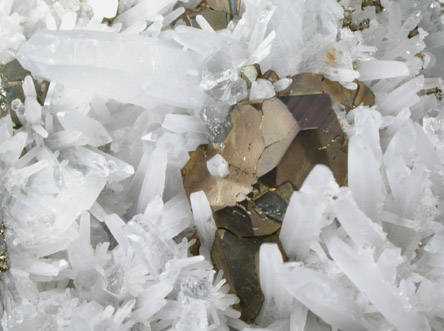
{"x": 271, "y": 76}
{"x": 250, "y": 73}
{"x": 261, "y": 89}
{"x": 115, "y": 281}
{"x": 217, "y": 121}
{"x": 196, "y": 288}
{"x": 218, "y": 166}
{"x": 220, "y": 192}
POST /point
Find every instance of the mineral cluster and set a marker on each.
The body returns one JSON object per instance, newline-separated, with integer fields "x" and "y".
{"x": 272, "y": 147}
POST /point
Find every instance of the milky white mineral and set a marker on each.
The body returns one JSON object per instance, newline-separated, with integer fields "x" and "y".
{"x": 128, "y": 68}
{"x": 218, "y": 166}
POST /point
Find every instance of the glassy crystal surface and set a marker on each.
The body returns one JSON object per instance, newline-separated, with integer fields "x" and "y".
{"x": 196, "y": 288}
{"x": 221, "y": 81}
{"x": 128, "y": 68}
{"x": 115, "y": 281}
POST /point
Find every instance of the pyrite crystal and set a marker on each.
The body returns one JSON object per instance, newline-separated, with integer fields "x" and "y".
{"x": 271, "y": 148}
{"x": 12, "y": 75}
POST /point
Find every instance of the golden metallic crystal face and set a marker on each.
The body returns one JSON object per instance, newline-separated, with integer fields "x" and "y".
{"x": 271, "y": 148}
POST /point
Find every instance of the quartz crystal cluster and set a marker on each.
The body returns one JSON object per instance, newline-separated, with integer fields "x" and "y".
{"x": 197, "y": 165}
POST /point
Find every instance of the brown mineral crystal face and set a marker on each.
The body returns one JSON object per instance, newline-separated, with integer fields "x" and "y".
{"x": 239, "y": 259}
{"x": 309, "y": 84}
{"x": 312, "y": 147}
{"x": 220, "y": 192}
{"x": 255, "y": 146}
{"x": 271, "y": 148}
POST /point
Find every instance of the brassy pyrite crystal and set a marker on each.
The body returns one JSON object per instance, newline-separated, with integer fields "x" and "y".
{"x": 272, "y": 147}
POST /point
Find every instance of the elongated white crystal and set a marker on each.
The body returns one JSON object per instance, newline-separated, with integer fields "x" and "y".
{"x": 94, "y": 132}
{"x": 128, "y": 68}
{"x": 387, "y": 298}
{"x": 203, "y": 217}
{"x": 370, "y": 70}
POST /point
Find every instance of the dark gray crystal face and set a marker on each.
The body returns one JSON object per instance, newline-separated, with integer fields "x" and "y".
{"x": 272, "y": 205}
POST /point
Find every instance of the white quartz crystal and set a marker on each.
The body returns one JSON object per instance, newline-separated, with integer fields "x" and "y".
{"x": 131, "y": 68}
{"x": 261, "y": 89}
{"x": 203, "y": 218}
{"x": 218, "y": 166}
{"x": 282, "y": 84}
{"x": 104, "y": 8}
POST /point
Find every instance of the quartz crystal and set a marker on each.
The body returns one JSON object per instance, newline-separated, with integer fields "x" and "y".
{"x": 261, "y": 89}
{"x": 218, "y": 166}
{"x": 221, "y": 80}
{"x": 118, "y": 211}
{"x": 125, "y": 68}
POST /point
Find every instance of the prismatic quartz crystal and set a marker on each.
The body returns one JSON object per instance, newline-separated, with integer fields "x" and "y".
{"x": 126, "y": 67}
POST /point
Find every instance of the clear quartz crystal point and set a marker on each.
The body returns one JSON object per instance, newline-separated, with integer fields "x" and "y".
{"x": 221, "y": 81}
{"x": 128, "y": 68}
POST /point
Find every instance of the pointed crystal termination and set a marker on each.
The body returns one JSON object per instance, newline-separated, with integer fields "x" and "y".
{"x": 128, "y": 68}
